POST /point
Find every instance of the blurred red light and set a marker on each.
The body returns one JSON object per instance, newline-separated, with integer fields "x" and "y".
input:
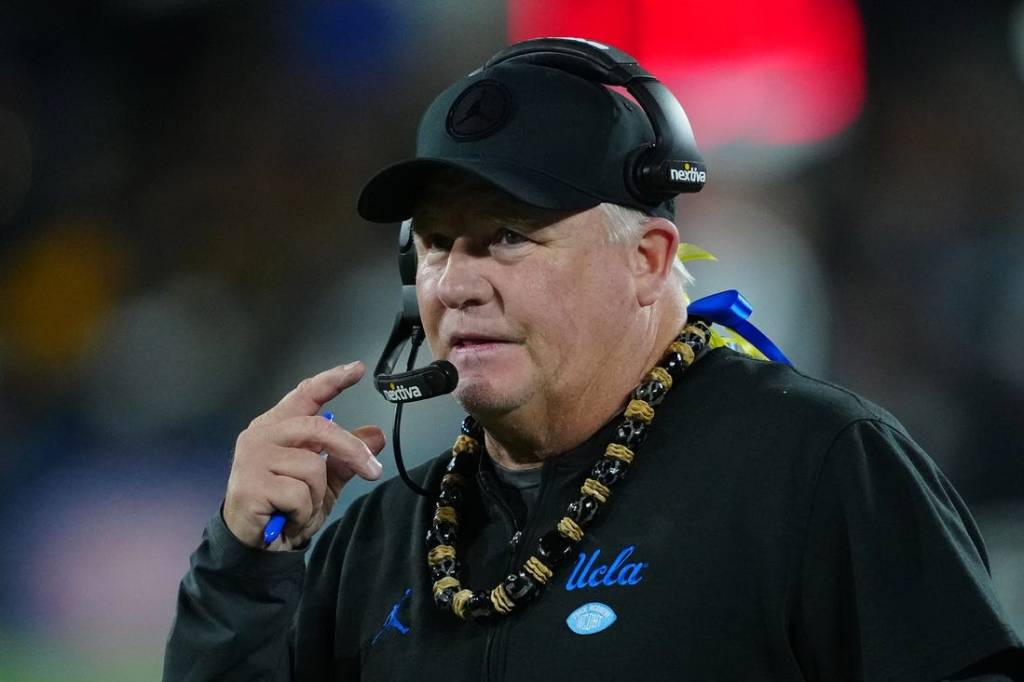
{"x": 785, "y": 72}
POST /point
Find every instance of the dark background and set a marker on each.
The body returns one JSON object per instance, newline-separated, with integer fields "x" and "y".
{"x": 180, "y": 247}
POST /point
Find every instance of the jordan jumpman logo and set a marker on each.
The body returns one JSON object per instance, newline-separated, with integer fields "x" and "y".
{"x": 392, "y": 621}
{"x": 476, "y": 109}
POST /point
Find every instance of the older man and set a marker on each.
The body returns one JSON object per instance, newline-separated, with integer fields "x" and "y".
{"x": 771, "y": 526}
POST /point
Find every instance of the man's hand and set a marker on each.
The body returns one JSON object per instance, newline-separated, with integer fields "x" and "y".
{"x": 278, "y": 467}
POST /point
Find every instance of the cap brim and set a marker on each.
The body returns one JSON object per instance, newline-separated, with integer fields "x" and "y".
{"x": 390, "y": 196}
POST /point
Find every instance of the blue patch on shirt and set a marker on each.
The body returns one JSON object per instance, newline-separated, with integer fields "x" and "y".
{"x": 591, "y": 618}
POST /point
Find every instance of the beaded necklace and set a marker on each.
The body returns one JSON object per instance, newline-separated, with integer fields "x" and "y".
{"x": 557, "y": 544}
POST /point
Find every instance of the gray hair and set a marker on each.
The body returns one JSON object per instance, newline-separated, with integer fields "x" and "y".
{"x": 625, "y": 225}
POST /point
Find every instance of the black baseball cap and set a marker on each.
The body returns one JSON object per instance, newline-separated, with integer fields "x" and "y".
{"x": 549, "y": 138}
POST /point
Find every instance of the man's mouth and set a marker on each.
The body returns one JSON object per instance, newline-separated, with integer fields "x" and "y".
{"x": 476, "y": 343}
{"x": 472, "y": 341}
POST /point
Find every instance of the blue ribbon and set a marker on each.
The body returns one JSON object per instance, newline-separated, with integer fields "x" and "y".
{"x": 730, "y": 309}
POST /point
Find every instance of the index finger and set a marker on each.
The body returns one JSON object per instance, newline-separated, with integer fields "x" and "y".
{"x": 311, "y": 394}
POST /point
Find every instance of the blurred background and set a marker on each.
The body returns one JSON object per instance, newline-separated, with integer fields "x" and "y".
{"x": 180, "y": 247}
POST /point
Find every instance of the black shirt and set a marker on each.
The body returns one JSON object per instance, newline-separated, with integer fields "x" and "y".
{"x": 773, "y": 527}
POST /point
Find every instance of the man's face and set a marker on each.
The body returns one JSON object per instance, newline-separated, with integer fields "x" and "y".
{"x": 529, "y": 305}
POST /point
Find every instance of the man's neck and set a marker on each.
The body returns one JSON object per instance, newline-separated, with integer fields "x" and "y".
{"x": 524, "y": 439}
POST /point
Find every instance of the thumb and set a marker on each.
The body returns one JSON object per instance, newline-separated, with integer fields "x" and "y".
{"x": 372, "y": 436}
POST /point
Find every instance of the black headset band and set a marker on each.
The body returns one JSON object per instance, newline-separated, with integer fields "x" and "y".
{"x": 602, "y": 64}
{"x": 653, "y": 174}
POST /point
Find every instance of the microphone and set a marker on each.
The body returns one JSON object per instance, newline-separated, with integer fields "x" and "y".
{"x": 437, "y": 378}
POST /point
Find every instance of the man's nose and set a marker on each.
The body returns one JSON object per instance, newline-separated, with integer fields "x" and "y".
{"x": 462, "y": 283}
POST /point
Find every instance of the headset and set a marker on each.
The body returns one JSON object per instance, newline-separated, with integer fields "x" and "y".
{"x": 435, "y": 379}
{"x": 653, "y": 173}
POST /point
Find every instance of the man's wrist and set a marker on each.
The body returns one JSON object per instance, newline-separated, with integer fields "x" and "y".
{"x": 233, "y": 555}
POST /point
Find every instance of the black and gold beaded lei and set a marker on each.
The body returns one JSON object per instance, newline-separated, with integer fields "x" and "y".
{"x": 557, "y": 544}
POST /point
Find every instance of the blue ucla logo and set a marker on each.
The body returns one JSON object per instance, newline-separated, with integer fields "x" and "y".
{"x": 589, "y": 573}
{"x": 590, "y": 618}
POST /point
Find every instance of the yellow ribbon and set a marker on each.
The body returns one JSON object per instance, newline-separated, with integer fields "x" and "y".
{"x": 688, "y": 252}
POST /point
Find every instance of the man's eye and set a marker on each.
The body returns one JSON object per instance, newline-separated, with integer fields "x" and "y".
{"x": 508, "y": 237}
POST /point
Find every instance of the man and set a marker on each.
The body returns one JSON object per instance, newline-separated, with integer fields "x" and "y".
{"x": 771, "y": 526}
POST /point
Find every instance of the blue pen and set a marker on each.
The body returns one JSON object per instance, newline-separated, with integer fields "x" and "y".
{"x": 277, "y": 520}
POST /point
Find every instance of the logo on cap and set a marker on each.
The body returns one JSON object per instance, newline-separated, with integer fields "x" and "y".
{"x": 479, "y": 111}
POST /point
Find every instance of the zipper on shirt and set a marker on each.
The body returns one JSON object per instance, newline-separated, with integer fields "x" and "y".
{"x": 493, "y": 667}
{"x": 516, "y": 533}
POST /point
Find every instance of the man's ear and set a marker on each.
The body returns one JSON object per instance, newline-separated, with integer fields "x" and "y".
{"x": 653, "y": 259}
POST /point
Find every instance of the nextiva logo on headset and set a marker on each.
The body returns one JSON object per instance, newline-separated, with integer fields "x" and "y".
{"x": 399, "y": 393}
{"x": 688, "y": 172}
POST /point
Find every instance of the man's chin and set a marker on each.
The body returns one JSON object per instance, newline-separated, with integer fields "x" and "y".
{"x": 482, "y": 399}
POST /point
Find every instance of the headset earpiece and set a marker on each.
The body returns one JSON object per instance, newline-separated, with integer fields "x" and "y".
{"x": 407, "y": 270}
{"x": 407, "y": 254}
